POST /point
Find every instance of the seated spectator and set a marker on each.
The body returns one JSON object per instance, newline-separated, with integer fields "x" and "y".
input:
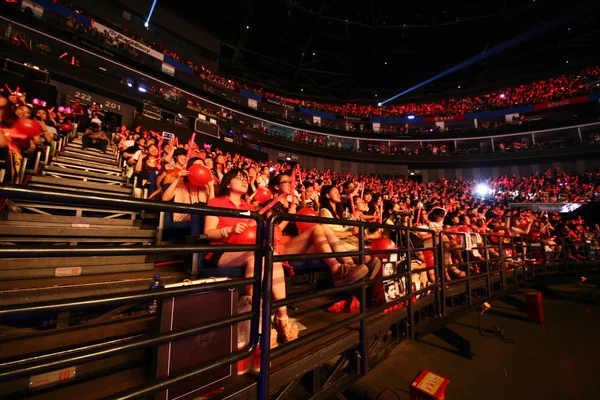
{"x": 233, "y": 186}
{"x": 95, "y": 138}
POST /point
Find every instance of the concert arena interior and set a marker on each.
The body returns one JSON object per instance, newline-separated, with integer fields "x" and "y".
{"x": 299, "y": 199}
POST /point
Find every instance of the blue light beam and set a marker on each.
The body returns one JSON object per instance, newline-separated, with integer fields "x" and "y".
{"x": 150, "y": 13}
{"x": 531, "y": 33}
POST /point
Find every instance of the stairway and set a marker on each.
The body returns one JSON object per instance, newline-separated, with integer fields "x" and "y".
{"x": 84, "y": 171}
{"x": 29, "y": 223}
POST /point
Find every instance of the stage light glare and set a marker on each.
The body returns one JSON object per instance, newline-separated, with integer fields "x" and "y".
{"x": 482, "y": 190}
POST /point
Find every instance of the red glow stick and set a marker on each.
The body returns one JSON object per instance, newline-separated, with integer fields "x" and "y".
{"x": 352, "y": 206}
{"x": 381, "y": 212}
{"x": 419, "y": 215}
{"x": 190, "y": 144}
{"x": 272, "y": 203}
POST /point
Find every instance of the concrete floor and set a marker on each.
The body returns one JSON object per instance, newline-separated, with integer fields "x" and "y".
{"x": 559, "y": 359}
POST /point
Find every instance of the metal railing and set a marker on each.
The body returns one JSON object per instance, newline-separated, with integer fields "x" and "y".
{"x": 37, "y": 365}
{"x": 497, "y": 270}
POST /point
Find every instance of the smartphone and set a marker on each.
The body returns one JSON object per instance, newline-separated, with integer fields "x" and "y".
{"x": 168, "y": 135}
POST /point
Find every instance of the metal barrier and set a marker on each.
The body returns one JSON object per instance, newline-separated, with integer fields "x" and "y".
{"x": 37, "y": 365}
{"x": 361, "y": 317}
{"x": 499, "y": 270}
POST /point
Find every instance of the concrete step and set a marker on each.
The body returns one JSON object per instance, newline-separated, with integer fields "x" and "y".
{"x": 72, "y": 173}
{"x": 115, "y": 223}
{"x": 67, "y": 262}
{"x": 86, "y": 157}
{"x": 77, "y": 149}
{"x": 61, "y": 272}
{"x": 91, "y": 166}
{"x": 66, "y": 210}
{"x": 24, "y": 291}
{"x": 74, "y": 234}
{"x": 79, "y": 186}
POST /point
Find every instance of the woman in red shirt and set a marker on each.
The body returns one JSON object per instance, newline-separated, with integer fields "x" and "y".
{"x": 233, "y": 186}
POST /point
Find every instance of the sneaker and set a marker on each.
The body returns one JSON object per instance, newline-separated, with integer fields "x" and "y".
{"x": 374, "y": 266}
{"x": 349, "y": 273}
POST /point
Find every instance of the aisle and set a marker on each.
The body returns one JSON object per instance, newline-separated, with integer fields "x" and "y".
{"x": 556, "y": 360}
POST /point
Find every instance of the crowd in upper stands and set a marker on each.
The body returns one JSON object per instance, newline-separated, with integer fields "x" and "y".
{"x": 541, "y": 91}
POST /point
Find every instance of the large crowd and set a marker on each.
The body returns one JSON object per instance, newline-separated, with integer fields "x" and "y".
{"x": 159, "y": 168}
{"x": 541, "y": 91}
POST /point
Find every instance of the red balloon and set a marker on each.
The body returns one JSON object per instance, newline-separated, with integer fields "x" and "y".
{"x": 262, "y": 195}
{"x": 302, "y": 226}
{"x": 27, "y": 127}
{"x": 246, "y": 237}
{"x": 66, "y": 127}
{"x": 383, "y": 244}
{"x": 199, "y": 175}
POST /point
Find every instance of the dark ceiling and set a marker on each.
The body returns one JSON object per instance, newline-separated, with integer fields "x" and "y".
{"x": 359, "y": 49}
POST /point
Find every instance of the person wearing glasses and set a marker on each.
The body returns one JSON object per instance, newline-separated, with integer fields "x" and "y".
{"x": 319, "y": 238}
{"x": 232, "y": 188}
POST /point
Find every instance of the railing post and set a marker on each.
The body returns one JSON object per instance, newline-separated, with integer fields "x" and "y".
{"x": 468, "y": 258}
{"x": 259, "y": 267}
{"x": 502, "y": 262}
{"x": 363, "y": 349}
{"x": 515, "y": 269}
{"x": 409, "y": 291}
{"x": 265, "y": 339}
{"x": 442, "y": 271}
{"x": 488, "y": 284}
{"x": 436, "y": 263}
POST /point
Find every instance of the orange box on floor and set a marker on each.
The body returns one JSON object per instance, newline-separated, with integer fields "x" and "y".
{"x": 428, "y": 386}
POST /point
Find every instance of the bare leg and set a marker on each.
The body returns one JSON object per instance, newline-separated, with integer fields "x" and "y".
{"x": 236, "y": 259}
{"x": 315, "y": 239}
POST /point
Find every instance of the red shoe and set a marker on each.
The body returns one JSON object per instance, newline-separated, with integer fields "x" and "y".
{"x": 338, "y": 307}
{"x": 353, "y": 305}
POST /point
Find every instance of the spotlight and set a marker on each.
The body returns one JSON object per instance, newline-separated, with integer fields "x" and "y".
{"x": 410, "y": 116}
{"x": 378, "y": 104}
{"x": 142, "y": 89}
{"x": 129, "y": 84}
{"x": 482, "y": 190}
{"x": 502, "y": 96}
{"x": 146, "y": 24}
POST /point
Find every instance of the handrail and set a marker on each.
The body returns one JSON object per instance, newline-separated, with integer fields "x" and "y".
{"x": 124, "y": 203}
{"x": 38, "y": 365}
{"x": 268, "y": 304}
